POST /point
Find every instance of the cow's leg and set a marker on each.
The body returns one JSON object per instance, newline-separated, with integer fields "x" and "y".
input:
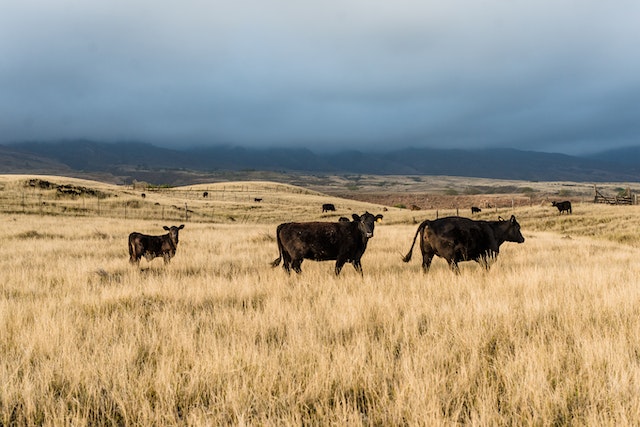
{"x": 287, "y": 267}
{"x": 487, "y": 258}
{"x": 453, "y": 264}
{"x": 339, "y": 264}
{"x": 135, "y": 253}
{"x": 166, "y": 257}
{"x": 295, "y": 264}
{"x": 358, "y": 266}
{"x": 286, "y": 261}
{"x": 483, "y": 260}
{"x": 427, "y": 257}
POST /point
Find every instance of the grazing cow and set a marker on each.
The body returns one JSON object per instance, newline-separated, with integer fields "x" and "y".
{"x": 475, "y": 209}
{"x": 257, "y": 199}
{"x": 462, "y": 239}
{"x": 328, "y": 207}
{"x": 143, "y": 195}
{"x": 563, "y": 206}
{"x": 205, "y": 194}
{"x": 153, "y": 246}
{"x": 324, "y": 241}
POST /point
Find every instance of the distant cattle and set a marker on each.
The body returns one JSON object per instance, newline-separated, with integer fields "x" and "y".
{"x": 343, "y": 218}
{"x": 143, "y": 195}
{"x": 142, "y": 245}
{"x": 328, "y": 207}
{"x": 342, "y": 241}
{"x": 462, "y": 239}
{"x": 563, "y": 206}
{"x": 257, "y": 199}
{"x": 475, "y": 209}
{"x": 205, "y": 194}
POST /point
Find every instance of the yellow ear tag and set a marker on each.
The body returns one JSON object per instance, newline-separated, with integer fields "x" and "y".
{"x": 379, "y": 220}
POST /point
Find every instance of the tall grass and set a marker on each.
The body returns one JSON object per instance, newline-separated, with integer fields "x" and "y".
{"x": 549, "y": 336}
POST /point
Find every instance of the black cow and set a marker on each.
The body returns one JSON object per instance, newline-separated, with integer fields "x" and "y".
{"x": 563, "y": 206}
{"x": 462, "y": 239}
{"x": 328, "y": 207}
{"x": 205, "y": 194}
{"x": 475, "y": 209}
{"x": 257, "y": 199}
{"x": 341, "y": 241}
{"x": 153, "y": 246}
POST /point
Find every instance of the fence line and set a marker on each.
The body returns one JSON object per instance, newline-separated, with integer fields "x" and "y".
{"x": 111, "y": 207}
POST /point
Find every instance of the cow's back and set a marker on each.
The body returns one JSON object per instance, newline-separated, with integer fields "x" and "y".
{"x": 318, "y": 240}
{"x": 145, "y": 244}
{"x": 461, "y": 238}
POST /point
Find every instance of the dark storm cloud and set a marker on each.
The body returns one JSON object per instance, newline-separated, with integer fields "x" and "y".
{"x": 546, "y": 75}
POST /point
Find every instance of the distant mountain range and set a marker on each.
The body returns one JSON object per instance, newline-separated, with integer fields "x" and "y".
{"x": 131, "y": 159}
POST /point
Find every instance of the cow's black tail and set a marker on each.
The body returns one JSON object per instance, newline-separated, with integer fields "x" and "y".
{"x": 276, "y": 262}
{"x": 421, "y": 227}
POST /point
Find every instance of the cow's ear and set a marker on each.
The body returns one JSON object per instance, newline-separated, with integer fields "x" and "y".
{"x": 355, "y": 217}
{"x": 379, "y": 218}
{"x": 513, "y": 219}
{"x": 166, "y": 228}
{"x": 500, "y": 218}
{"x": 181, "y": 227}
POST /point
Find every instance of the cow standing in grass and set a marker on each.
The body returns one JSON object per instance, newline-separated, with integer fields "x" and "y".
{"x": 342, "y": 241}
{"x": 143, "y": 245}
{"x": 563, "y": 206}
{"x": 462, "y": 239}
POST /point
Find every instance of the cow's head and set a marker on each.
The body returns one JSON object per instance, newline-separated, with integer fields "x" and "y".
{"x": 173, "y": 232}
{"x": 366, "y": 223}
{"x": 512, "y": 231}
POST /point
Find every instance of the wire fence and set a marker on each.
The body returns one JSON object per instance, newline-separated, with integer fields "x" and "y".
{"x": 104, "y": 207}
{"x": 221, "y": 204}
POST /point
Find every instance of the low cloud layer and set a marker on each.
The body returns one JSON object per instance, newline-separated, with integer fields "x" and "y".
{"x": 553, "y": 76}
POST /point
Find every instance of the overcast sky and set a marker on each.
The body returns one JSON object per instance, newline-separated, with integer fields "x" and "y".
{"x": 547, "y": 75}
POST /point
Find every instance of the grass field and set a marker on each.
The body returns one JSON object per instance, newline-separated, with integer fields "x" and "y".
{"x": 549, "y": 336}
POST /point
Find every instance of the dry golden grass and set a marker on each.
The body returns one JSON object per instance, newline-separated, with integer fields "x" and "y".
{"x": 549, "y": 336}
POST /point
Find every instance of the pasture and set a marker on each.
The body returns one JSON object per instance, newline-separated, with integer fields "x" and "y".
{"x": 549, "y": 336}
